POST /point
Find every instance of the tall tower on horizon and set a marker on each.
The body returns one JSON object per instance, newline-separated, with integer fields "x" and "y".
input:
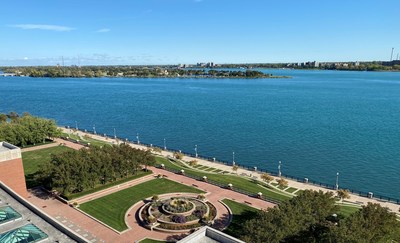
{"x": 391, "y": 55}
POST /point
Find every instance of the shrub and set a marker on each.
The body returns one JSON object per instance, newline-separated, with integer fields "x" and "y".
{"x": 179, "y": 219}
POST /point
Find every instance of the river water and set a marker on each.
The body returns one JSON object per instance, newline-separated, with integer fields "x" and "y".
{"x": 317, "y": 123}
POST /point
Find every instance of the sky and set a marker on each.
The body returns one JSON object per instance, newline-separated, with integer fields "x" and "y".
{"x": 141, "y": 32}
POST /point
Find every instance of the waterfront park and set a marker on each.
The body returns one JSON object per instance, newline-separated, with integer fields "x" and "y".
{"x": 164, "y": 195}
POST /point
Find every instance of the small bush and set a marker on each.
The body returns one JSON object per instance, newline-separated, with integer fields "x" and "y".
{"x": 179, "y": 219}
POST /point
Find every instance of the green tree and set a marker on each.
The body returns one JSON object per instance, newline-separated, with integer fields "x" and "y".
{"x": 266, "y": 177}
{"x": 290, "y": 218}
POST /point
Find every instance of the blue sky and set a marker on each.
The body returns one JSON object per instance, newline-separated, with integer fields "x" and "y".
{"x": 189, "y": 31}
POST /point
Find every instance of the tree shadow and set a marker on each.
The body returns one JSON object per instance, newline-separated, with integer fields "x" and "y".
{"x": 236, "y": 226}
{"x": 221, "y": 222}
{"x": 174, "y": 238}
{"x": 40, "y": 193}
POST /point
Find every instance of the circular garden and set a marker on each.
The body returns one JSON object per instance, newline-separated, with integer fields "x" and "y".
{"x": 182, "y": 213}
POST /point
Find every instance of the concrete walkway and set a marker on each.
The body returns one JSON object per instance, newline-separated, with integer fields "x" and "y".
{"x": 49, "y": 145}
{"x": 354, "y": 199}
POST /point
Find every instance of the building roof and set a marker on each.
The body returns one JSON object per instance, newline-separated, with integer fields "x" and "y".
{"x": 19, "y": 224}
{"x": 9, "y": 151}
{"x": 209, "y": 235}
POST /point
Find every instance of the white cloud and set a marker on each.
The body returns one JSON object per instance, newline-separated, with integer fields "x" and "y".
{"x": 103, "y": 30}
{"x": 41, "y": 27}
{"x": 25, "y": 58}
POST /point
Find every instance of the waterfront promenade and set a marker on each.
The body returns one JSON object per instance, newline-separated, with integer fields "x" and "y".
{"x": 354, "y": 199}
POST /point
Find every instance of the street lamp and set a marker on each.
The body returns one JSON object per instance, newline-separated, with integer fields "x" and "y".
{"x": 233, "y": 158}
{"x": 137, "y": 137}
{"x": 115, "y": 134}
{"x": 76, "y": 125}
{"x": 165, "y": 145}
{"x": 94, "y": 129}
{"x": 195, "y": 150}
{"x": 337, "y": 181}
{"x": 279, "y": 169}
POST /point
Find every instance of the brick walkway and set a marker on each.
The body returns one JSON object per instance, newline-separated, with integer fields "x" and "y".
{"x": 49, "y": 145}
{"x": 95, "y": 231}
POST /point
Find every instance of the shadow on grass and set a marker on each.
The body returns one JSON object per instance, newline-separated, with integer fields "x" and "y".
{"x": 236, "y": 226}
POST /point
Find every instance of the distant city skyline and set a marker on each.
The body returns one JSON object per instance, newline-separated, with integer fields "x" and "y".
{"x": 191, "y": 31}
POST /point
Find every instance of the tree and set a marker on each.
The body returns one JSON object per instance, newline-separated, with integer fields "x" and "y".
{"x": 343, "y": 194}
{"x": 193, "y": 162}
{"x": 266, "y": 177}
{"x": 282, "y": 182}
{"x": 373, "y": 223}
{"x": 3, "y": 118}
{"x": 290, "y": 218}
{"x": 178, "y": 155}
{"x": 235, "y": 168}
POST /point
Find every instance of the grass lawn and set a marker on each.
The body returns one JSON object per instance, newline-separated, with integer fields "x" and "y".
{"x": 108, "y": 185}
{"x": 241, "y": 213}
{"x": 147, "y": 240}
{"x": 86, "y": 140}
{"x": 346, "y": 210}
{"x": 111, "y": 209}
{"x": 291, "y": 189}
{"x": 33, "y": 159}
{"x": 241, "y": 183}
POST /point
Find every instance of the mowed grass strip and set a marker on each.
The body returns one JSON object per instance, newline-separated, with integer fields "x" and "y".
{"x": 33, "y": 159}
{"x": 111, "y": 209}
{"x": 237, "y": 181}
{"x": 241, "y": 213}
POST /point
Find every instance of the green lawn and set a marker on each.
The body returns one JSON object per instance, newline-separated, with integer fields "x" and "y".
{"x": 33, "y": 159}
{"x": 108, "y": 185}
{"x": 291, "y": 189}
{"x": 147, "y": 240}
{"x": 238, "y": 182}
{"x": 241, "y": 213}
{"x": 111, "y": 209}
{"x": 86, "y": 140}
{"x": 346, "y": 210}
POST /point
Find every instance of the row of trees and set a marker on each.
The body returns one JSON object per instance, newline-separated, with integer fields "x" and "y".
{"x": 128, "y": 71}
{"x": 310, "y": 217}
{"x": 80, "y": 170}
{"x": 26, "y": 129}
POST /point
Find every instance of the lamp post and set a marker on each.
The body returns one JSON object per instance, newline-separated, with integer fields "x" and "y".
{"x": 115, "y": 134}
{"x": 165, "y": 145}
{"x": 337, "y": 181}
{"x": 94, "y": 129}
{"x": 233, "y": 158}
{"x": 279, "y": 169}
{"x": 137, "y": 137}
{"x": 195, "y": 150}
{"x": 76, "y": 125}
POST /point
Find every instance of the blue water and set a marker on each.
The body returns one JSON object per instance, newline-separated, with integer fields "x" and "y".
{"x": 317, "y": 123}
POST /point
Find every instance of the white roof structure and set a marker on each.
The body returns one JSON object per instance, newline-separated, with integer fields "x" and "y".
{"x": 9, "y": 151}
{"x": 209, "y": 235}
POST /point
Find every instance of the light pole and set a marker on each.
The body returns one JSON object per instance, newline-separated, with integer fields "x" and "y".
{"x": 337, "y": 181}
{"x": 137, "y": 137}
{"x": 115, "y": 134}
{"x": 195, "y": 150}
{"x": 165, "y": 145}
{"x": 94, "y": 129}
{"x": 233, "y": 158}
{"x": 76, "y": 125}
{"x": 279, "y": 169}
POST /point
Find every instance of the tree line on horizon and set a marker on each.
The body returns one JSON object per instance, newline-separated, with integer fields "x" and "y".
{"x": 26, "y": 129}
{"x": 79, "y": 170}
{"x": 128, "y": 71}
